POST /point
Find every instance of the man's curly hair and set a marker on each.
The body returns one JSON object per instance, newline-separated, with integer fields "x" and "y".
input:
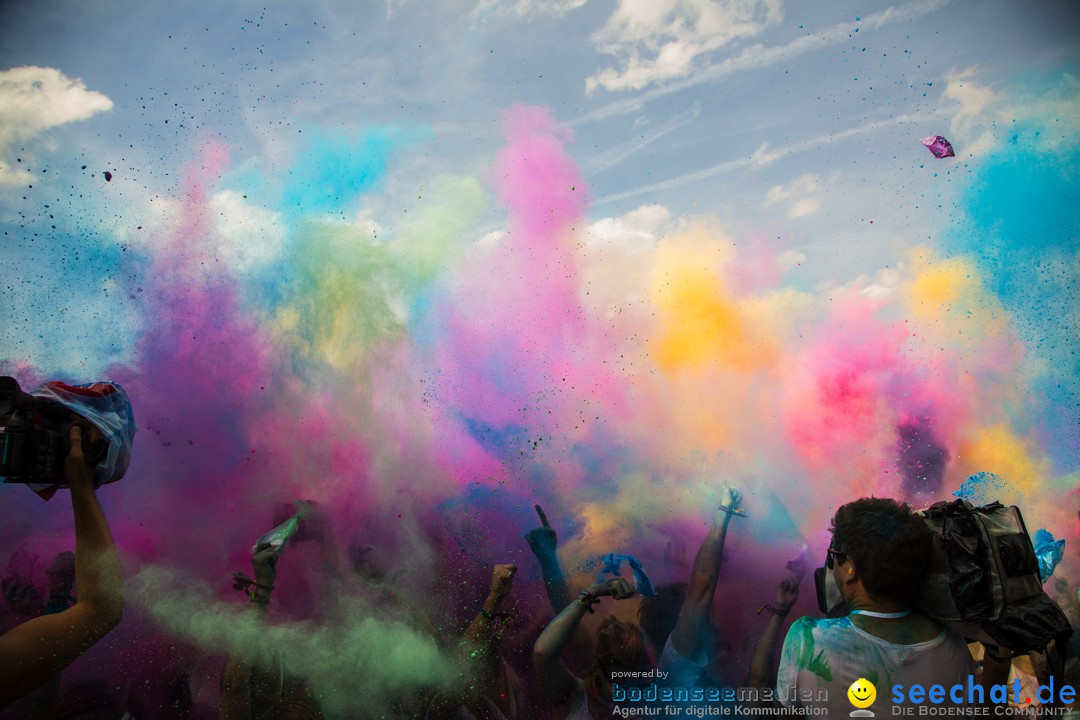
{"x": 889, "y": 544}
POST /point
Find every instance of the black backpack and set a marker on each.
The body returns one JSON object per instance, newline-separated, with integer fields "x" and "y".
{"x": 982, "y": 580}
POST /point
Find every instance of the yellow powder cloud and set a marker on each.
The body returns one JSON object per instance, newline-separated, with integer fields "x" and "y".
{"x": 999, "y": 450}
{"x": 700, "y": 320}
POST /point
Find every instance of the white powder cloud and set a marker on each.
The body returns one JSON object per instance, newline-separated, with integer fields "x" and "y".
{"x": 250, "y": 236}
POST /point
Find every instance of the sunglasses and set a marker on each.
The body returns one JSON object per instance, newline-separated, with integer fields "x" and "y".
{"x": 830, "y": 560}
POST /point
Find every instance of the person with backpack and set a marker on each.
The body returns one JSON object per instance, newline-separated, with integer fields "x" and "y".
{"x": 877, "y": 558}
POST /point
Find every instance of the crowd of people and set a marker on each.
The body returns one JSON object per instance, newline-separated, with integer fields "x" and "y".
{"x": 618, "y": 647}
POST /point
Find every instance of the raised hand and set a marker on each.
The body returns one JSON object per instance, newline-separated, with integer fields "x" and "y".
{"x": 77, "y": 473}
{"x": 542, "y": 540}
{"x": 618, "y": 588}
{"x": 729, "y": 504}
{"x": 502, "y": 579}
{"x": 787, "y": 592}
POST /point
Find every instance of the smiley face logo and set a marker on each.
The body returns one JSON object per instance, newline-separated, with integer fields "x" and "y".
{"x": 862, "y": 693}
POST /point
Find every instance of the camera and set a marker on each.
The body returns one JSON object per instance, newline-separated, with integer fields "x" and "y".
{"x": 34, "y": 440}
{"x": 35, "y": 429}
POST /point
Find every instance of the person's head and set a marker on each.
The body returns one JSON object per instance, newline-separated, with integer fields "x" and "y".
{"x": 882, "y": 543}
{"x": 619, "y": 648}
{"x": 657, "y": 613}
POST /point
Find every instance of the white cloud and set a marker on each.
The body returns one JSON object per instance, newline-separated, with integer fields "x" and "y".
{"x": 979, "y": 112}
{"x": 616, "y": 154}
{"x": 802, "y": 191}
{"x": 971, "y": 105}
{"x": 803, "y": 207}
{"x": 35, "y": 99}
{"x": 802, "y": 185}
{"x": 637, "y": 228}
{"x": 658, "y": 40}
{"x": 761, "y": 56}
{"x": 882, "y": 288}
{"x": 528, "y": 8}
{"x": 1059, "y": 111}
{"x": 763, "y": 156}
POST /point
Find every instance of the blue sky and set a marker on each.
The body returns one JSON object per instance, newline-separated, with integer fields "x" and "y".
{"x": 795, "y": 122}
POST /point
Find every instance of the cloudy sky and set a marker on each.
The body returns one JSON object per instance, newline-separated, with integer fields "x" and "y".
{"x": 573, "y": 243}
{"x": 792, "y": 123}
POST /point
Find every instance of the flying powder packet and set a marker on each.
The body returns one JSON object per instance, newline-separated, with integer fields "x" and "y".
{"x": 277, "y": 537}
{"x": 107, "y": 406}
{"x": 1048, "y": 552}
{"x": 938, "y": 145}
{"x": 611, "y": 564}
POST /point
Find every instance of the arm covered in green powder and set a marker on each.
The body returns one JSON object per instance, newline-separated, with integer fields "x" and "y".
{"x": 689, "y": 633}
{"x": 38, "y": 649}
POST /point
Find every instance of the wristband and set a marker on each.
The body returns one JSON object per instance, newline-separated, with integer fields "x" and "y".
{"x": 248, "y": 586}
{"x": 780, "y": 611}
{"x": 733, "y": 511}
{"x": 587, "y": 599}
{"x": 486, "y": 614}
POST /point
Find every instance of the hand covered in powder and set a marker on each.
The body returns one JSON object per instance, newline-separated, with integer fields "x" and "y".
{"x": 542, "y": 540}
{"x": 502, "y": 579}
{"x": 618, "y": 588}
{"x": 787, "y": 592}
{"x": 729, "y": 504}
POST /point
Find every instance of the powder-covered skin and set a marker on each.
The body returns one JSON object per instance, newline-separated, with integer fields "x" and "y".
{"x": 428, "y": 381}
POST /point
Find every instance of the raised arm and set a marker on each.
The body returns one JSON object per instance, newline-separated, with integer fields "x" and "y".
{"x": 478, "y": 642}
{"x": 480, "y": 634}
{"x": 763, "y": 664}
{"x": 555, "y": 680}
{"x": 543, "y": 542}
{"x": 36, "y": 650}
{"x": 236, "y": 678}
{"x": 688, "y": 635}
